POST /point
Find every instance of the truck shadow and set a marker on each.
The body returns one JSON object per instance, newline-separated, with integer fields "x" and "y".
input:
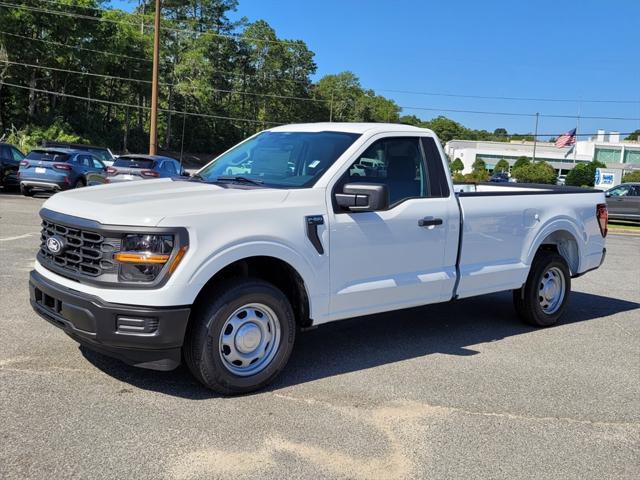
{"x": 367, "y": 342}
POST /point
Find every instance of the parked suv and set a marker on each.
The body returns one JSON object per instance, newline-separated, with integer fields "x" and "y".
{"x": 102, "y": 153}
{"x": 144, "y": 167}
{"x": 55, "y": 169}
{"x": 10, "y": 158}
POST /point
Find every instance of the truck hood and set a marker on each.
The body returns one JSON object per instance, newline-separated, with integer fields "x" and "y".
{"x": 147, "y": 202}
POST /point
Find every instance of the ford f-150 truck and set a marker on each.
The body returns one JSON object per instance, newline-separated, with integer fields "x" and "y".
{"x": 324, "y": 222}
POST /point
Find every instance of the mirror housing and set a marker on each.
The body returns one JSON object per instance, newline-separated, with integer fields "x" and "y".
{"x": 363, "y": 197}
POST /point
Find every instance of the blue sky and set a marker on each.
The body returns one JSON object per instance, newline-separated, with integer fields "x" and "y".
{"x": 544, "y": 49}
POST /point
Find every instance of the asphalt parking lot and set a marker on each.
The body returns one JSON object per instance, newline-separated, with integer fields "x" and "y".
{"x": 461, "y": 390}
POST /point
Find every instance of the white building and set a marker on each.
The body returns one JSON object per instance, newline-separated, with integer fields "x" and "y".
{"x": 607, "y": 148}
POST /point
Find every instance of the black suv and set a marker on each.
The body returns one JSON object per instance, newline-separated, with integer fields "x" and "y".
{"x": 10, "y": 158}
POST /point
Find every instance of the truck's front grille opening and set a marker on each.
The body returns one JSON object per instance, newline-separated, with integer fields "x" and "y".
{"x": 80, "y": 251}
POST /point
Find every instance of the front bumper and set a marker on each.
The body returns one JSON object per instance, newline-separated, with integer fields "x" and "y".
{"x": 147, "y": 337}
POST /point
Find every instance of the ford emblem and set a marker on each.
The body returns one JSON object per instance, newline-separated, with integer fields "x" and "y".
{"x": 55, "y": 245}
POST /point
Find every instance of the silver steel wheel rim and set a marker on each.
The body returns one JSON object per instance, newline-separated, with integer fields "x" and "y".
{"x": 551, "y": 290}
{"x": 249, "y": 339}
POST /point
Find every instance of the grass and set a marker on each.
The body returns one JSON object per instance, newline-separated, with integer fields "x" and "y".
{"x": 620, "y": 225}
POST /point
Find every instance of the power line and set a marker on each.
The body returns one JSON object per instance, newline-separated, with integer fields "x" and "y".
{"x": 488, "y": 97}
{"x": 52, "y": 42}
{"x": 121, "y": 22}
{"x": 517, "y": 114}
{"x": 122, "y": 104}
{"x": 128, "y": 79}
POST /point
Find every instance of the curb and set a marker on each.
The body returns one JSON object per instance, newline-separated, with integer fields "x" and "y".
{"x": 624, "y": 231}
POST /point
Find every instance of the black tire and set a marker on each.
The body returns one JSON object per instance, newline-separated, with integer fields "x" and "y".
{"x": 26, "y": 191}
{"x": 202, "y": 352}
{"x": 528, "y": 300}
{"x": 80, "y": 183}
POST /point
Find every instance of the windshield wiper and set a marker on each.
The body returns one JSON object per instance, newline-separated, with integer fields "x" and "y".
{"x": 238, "y": 179}
{"x": 197, "y": 177}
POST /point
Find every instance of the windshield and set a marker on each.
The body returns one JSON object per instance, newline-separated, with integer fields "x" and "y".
{"x": 133, "y": 162}
{"x": 45, "y": 156}
{"x": 280, "y": 159}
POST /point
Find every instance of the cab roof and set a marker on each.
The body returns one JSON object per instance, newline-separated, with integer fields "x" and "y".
{"x": 346, "y": 127}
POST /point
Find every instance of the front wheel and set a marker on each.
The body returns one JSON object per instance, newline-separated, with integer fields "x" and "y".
{"x": 26, "y": 191}
{"x": 542, "y": 299}
{"x": 242, "y": 338}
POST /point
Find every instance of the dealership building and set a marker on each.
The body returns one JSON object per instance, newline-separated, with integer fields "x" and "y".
{"x": 608, "y": 148}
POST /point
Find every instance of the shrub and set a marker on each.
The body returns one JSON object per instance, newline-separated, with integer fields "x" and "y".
{"x": 583, "y": 174}
{"x": 632, "y": 176}
{"x": 501, "y": 166}
{"x": 521, "y": 161}
{"x": 538, "y": 172}
{"x": 31, "y": 137}
{"x": 456, "y": 165}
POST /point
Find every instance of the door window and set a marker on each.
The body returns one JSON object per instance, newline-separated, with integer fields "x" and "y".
{"x": 621, "y": 191}
{"x": 97, "y": 164}
{"x": 396, "y": 162}
{"x": 85, "y": 161}
{"x": 17, "y": 155}
{"x": 170, "y": 167}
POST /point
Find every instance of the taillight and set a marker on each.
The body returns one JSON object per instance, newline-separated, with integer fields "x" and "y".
{"x": 149, "y": 173}
{"x": 24, "y": 163}
{"x": 111, "y": 170}
{"x": 62, "y": 166}
{"x": 603, "y": 218}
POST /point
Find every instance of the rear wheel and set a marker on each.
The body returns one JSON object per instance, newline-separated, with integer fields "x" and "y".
{"x": 26, "y": 191}
{"x": 542, "y": 299}
{"x": 241, "y": 339}
{"x": 80, "y": 183}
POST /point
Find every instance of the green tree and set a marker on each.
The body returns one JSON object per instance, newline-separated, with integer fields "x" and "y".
{"x": 583, "y": 174}
{"x": 500, "y": 132}
{"x": 501, "y": 166}
{"x": 635, "y": 135}
{"x": 521, "y": 161}
{"x": 537, "y": 172}
{"x": 456, "y": 165}
{"x": 445, "y": 128}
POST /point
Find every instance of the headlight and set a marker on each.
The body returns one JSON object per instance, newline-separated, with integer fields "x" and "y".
{"x": 143, "y": 257}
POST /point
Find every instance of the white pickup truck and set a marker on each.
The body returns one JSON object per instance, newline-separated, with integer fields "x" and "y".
{"x": 325, "y": 222}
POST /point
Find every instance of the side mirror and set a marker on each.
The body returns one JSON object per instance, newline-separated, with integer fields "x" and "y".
{"x": 363, "y": 197}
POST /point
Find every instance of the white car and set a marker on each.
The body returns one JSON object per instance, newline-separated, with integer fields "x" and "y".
{"x": 224, "y": 270}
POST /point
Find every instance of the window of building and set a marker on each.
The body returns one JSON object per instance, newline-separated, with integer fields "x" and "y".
{"x": 632, "y": 156}
{"x": 607, "y": 155}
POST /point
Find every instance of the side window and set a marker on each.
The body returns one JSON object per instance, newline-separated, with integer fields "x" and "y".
{"x": 396, "y": 162}
{"x": 170, "y": 167}
{"x": 4, "y": 153}
{"x": 17, "y": 155}
{"x": 620, "y": 191}
{"x": 84, "y": 160}
{"x": 97, "y": 163}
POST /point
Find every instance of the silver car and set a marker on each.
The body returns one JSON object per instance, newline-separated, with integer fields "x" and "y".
{"x": 126, "y": 168}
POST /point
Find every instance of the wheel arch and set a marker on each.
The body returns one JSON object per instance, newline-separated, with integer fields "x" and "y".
{"x": 268, "y": 268}
{"x": 563, "y": 238}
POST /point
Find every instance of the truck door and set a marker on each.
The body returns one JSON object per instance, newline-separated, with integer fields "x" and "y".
{"x": 405, "y": 255}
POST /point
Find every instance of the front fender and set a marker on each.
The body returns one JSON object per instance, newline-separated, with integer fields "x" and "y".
{"x": 318, "y": 302}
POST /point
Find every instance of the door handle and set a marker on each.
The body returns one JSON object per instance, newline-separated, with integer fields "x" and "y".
{"x": 429, "y": 222}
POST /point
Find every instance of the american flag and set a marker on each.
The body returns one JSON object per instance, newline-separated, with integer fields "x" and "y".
{"x": 566, "y": 139}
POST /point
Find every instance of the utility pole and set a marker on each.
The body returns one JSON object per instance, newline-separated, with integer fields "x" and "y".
{"x": 535, "y": 138}
{"x": 153, "y": 128}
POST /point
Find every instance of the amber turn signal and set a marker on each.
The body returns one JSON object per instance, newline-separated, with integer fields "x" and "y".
{"x": 141, "y": 258}
{"x": 177, "y": 259}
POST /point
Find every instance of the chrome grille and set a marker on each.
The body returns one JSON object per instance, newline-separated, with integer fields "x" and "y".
{"x": 86, "y": 252}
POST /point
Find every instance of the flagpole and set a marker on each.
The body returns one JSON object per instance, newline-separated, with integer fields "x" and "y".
{"x": 535, "y": 137}
{"x": 575, "y": 146}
